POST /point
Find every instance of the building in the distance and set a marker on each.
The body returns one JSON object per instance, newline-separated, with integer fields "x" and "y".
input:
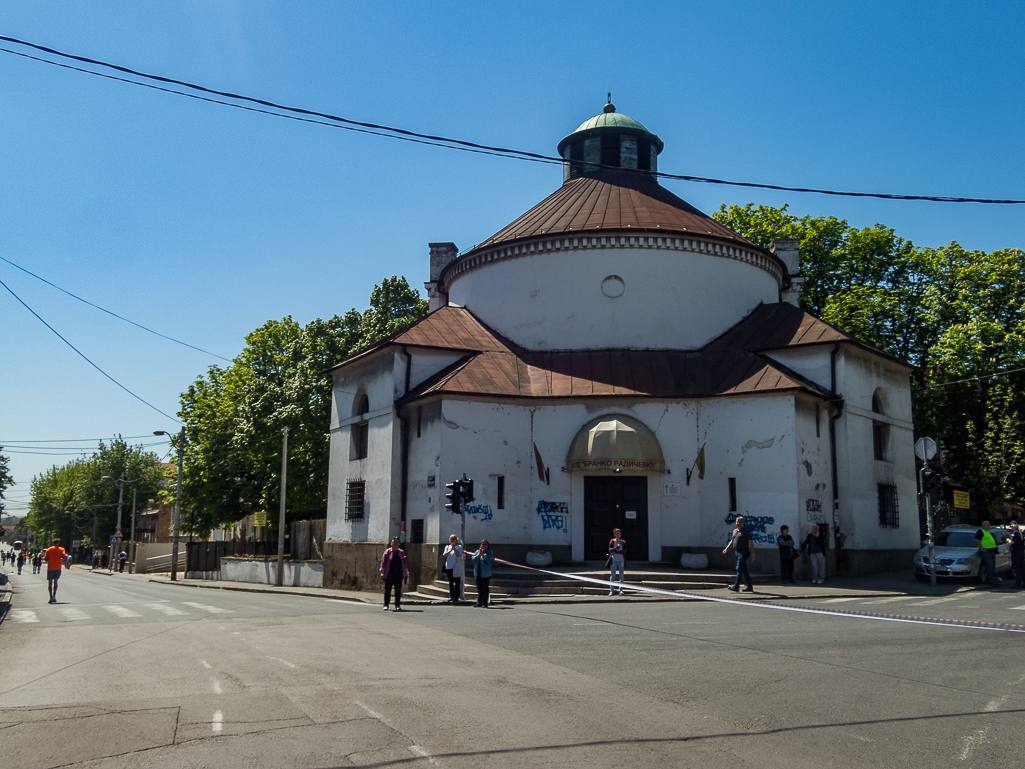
{"x": 616, "y": 358}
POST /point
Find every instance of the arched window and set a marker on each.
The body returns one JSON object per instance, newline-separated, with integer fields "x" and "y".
{"x": 360, "y": 404}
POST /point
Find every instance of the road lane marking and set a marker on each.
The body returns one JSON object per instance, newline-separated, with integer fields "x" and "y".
{"x": 217, "y": 687}
{"x": 217, "y": 722}
{"x": 167, "y": 609}
{"x": 121, "y": 611}
{"x": 205, "y": 607}
{"x": 841, "y": 600}
{"x": 416, "y": 750}
{"x": 72, "y": 614}
{"x": 283, "y": 662}
{"x": 206, "y": 664}
{"x": 24, "y": 615}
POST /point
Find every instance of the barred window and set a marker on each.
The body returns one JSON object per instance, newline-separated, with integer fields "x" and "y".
{"x": 888, "y": 515}
{"x": 355, "y": 499}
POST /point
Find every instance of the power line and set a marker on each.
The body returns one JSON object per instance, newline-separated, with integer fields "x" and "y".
{"x": 441, "y": 141}
{"x": 101, "y": 309}
{"x": 83, "y": 356}
{"x": 80, "y": 440}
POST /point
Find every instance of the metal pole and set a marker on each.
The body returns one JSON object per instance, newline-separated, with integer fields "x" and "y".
{"x": 176, "y": 521}
{"x": 117, "y": 529}
{"x": 281, "y": 514}
{"x": 928, "y": 524}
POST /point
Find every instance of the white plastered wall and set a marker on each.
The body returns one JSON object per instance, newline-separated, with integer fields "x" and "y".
{"x": 671, "y": 299}
{"x": 860, "y": 374}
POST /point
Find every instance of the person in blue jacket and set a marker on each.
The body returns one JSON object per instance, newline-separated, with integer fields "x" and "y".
{"x": 482, "y": 561}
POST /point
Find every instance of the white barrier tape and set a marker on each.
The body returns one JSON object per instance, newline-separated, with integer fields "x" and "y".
{"x": 970, "y": 624}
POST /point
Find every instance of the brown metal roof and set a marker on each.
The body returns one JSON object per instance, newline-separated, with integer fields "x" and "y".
{"x": 728, "y": 365}
{"x": 613, "y": 200}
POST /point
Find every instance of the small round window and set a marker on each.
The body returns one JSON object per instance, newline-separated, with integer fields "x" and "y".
{"x": 613, "y": 286}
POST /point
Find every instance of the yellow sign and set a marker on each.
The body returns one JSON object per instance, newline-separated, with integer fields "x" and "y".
{"x": 961, "y": 500}
{"x": 260, "y": 518}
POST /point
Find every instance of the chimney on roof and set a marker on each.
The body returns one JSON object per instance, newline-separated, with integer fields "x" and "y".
{"x": 442, "y": 254}
{"x": 789, "y": 252}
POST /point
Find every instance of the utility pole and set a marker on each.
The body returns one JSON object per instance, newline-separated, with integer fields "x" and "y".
{"x": 132, "y": 539}
{"x": 281, "y": 514}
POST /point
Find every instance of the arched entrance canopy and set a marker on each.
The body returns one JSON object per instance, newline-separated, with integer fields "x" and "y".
{"x": 615, "y": 443}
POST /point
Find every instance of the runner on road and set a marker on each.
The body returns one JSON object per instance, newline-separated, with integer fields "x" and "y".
{"x": 55, "y": 556}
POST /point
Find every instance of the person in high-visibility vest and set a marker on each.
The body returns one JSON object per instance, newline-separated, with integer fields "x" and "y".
{"x": 987, "y": 552}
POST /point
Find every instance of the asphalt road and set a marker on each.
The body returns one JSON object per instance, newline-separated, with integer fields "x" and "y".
{"x": 129, "y": 673}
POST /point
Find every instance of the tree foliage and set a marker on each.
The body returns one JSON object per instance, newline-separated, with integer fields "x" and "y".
{"x": 74, "y": 500}
{"x": 234, "y": 416}
{"x": 6, "y": 481}
{"x": 957, "y": 315}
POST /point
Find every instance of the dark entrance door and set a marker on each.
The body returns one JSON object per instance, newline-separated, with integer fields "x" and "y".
{"x": 615, "y": 502}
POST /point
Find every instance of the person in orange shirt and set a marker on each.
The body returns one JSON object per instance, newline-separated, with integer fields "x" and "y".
{"x": 55, "y": 556}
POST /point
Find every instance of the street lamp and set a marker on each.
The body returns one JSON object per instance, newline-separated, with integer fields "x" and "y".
{"x": 177, "y": 499}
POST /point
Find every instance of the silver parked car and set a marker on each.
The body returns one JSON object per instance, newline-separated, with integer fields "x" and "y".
{"x": 957, "y": 554}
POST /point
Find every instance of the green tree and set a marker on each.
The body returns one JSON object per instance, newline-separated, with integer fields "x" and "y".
{"x": 6, "y": 481}
{"x": 955, "y": 314}
{"x": 72, "y": 500}
{"x": 234, "y": 416}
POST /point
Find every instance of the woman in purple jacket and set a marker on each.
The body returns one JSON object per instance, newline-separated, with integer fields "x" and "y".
{"x": 394, "y": 572}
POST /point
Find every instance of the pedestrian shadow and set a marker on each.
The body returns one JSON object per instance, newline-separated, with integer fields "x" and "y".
{"x": 756, "y": 733}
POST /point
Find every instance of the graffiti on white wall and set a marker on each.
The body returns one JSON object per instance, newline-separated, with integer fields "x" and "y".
{"x": 813, "y": 511}
{"x": 554, "y": 515}
{"x": 481, "y": 511}
{"x": 761, "y": 527}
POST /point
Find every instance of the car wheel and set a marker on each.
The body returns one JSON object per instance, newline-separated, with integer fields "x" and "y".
{"x": 983, "y": 573}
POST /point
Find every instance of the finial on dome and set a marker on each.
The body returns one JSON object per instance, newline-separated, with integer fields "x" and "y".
{"x": 610, "y": 107}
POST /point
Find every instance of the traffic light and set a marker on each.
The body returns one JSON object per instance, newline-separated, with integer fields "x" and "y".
{"x": 454, "y": 497}
{"x": 467, "y": 492}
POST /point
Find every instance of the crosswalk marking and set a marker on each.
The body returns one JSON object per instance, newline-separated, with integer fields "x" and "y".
{"x": 934, "y": 601}
{"x": 24, "y": 615}
{"x": 167, "y": 609}
{"x": 204, "y": 607}
{"x": 891, "y": 599}
{"x": 72, "y": 614}
{"x": 121, "y": 611}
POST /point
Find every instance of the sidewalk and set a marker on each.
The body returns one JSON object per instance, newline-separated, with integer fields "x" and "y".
{"x": 877, "y": 585}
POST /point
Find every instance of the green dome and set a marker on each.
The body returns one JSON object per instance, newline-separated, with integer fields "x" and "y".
{"x": 611, "y": 120}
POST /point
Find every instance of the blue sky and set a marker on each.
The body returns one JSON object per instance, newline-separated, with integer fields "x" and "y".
{"x": 203, "y": 222}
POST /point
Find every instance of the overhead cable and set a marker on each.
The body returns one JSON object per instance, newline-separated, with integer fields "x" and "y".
{"x": 114, "y": 314}
{"x": 83, "y": 356}
{"x": 442, "y": 141}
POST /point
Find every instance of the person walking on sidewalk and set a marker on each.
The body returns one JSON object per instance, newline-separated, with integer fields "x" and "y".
{"x": 815, "y": 546}
{"x": 55, "y": 556}
{"x": 482, "y": 561}
{"x": 394, "y": 572}
{"x": 744, "y": 547}
{"x": 617, "y": 560}
{"x": 788, "y": 553}
{"x": 1017, "y": 540}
